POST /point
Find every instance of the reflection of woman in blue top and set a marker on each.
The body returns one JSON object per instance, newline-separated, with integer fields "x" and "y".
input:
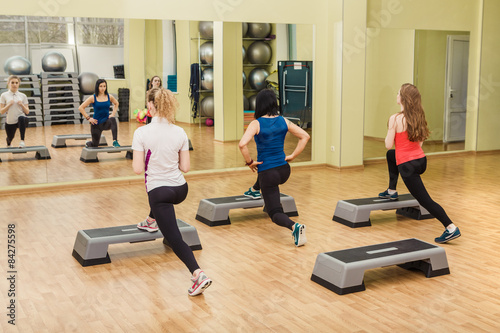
{"x": 101, "y": 120}
{"x": 269, "y": 131}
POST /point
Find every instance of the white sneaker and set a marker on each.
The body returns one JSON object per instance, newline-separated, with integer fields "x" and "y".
{"x": 22, "y": 144}
{"x": 200, "y": 283}
{"x": 148, "y": 226}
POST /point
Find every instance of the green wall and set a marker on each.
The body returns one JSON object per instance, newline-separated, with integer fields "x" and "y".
{"x": 389, "y": 64}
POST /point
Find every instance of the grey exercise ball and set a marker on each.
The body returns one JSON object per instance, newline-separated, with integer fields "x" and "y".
{"x": 207, "y": 79}
{"x": 87, "y": 82}
{"x": 207, "y": 106}
{"x": 207, "y": 53}
{"x": 206, "y": 29}
{"x": 244, "y": 53}
{"x": 244, "y": 78}
{"x": 259, "y": 53}
{"x": 54, "y": 62}
{"x": 251, "y": 101}
{"x": 17, "y": 65}
{"x": 258, "y": 30}
{"x": 246, "y": 103}
{"x": 244, "y": 29}
{"x": 257, "y": 78}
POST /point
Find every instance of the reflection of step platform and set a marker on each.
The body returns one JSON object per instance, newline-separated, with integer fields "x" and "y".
{"x": 42, "y": 153}
{"x": 91, "y": 246}
{"x": 59, "y": 93}
{"x": 59, "y": 141}
{"x": 342, "y": 271}
{"x": 61, "y": 121}
{"x": 90, "y": 154}
{"x": 46, "y": 75}
{"x": 61, "y": 99}
{"x": 60, "y": 105}
{"x": 214, "y": 212}
{"x": 356, "y": 213}
{"x": 27, "y": 91}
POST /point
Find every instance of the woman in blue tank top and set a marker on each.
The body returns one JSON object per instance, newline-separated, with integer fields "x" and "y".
{"x": 101, "y": 120}
{"x": 269, "y": 130}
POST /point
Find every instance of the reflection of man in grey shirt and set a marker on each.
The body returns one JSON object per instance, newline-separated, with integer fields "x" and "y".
{"x": 15, "y": 104}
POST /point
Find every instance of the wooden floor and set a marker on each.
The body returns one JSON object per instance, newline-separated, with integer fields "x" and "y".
{"x": 261, "y": 280}
{"x": 65, "y": 164}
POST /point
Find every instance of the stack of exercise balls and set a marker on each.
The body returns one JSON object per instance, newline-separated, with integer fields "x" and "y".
{"x": 258, "y": 53}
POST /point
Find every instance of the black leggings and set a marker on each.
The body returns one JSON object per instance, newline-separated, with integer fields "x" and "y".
{"x": 410, "y": 172}
{"x": 10, "y": 129}
{"x": 162, "y": 200}
{"x": 96, "y": 130}
{"x": 267, "y": 182}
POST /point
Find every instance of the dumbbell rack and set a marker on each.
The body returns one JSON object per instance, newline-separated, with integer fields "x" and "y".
{"x": 61, "y": 98}
{"x": 30, "y": 86}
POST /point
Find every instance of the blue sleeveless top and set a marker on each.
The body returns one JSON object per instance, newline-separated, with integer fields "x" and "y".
{"x": 101, "y": 110}
{"x": 270, "y": 142}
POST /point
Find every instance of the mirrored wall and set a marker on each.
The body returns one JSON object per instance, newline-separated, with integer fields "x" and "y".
{"x": 83, "y": 53}
{"x": 437, "y": 63}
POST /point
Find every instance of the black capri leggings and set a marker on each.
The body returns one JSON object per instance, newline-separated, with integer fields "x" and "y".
{"x": 96, "y": 130}
{"x": 267, "y": 182}
{"x": 162, "y": 200}
{"x": 10, "y": 129}
{"x": 410, "y": 172}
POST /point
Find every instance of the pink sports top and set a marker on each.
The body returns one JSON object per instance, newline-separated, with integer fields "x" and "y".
{"x": 406, "y": 150}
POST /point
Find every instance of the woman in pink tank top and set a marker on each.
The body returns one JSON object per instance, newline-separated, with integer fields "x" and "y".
{"x": 407, "y": 130}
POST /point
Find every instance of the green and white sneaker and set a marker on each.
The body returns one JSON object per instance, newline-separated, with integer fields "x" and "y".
{"x": 252, "y": 194}
{"x": 299, "y": 234}
{"x": 448, "y": 236}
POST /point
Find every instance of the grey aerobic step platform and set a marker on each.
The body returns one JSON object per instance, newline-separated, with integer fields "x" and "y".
{"x": 59, "y": 141}
{"x": 215, "y": 211}
{"x": 90, "y": 154}
{"x": 356, "y": 212}
{"x": 91, "y": 246}
{"x": 342, "y": 271}
{"x": 42, "y": 153}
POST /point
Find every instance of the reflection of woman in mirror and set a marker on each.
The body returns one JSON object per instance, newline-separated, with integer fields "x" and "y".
{"x": 165, "y": 183}
{"x": 408, "y": 130}
{"x": 269, "y": 130}
{"x": 154, "y": 83}
{"x": 15, "y": 104}
{"x": 101, "y": 120}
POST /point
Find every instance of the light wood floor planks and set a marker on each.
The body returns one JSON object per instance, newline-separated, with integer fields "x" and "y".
{"x": 261, "y": 280}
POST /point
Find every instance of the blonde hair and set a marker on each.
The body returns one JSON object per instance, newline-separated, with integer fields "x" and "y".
{"x": 13, "y": 77}
{"x": 165, "y": 103}
{"x": 416, "y": 125}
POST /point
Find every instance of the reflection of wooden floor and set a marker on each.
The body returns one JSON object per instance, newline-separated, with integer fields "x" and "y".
{"x": 65, "y": 164}
{"x": 262, "y": 282}
{"x": 375, "y": 147}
